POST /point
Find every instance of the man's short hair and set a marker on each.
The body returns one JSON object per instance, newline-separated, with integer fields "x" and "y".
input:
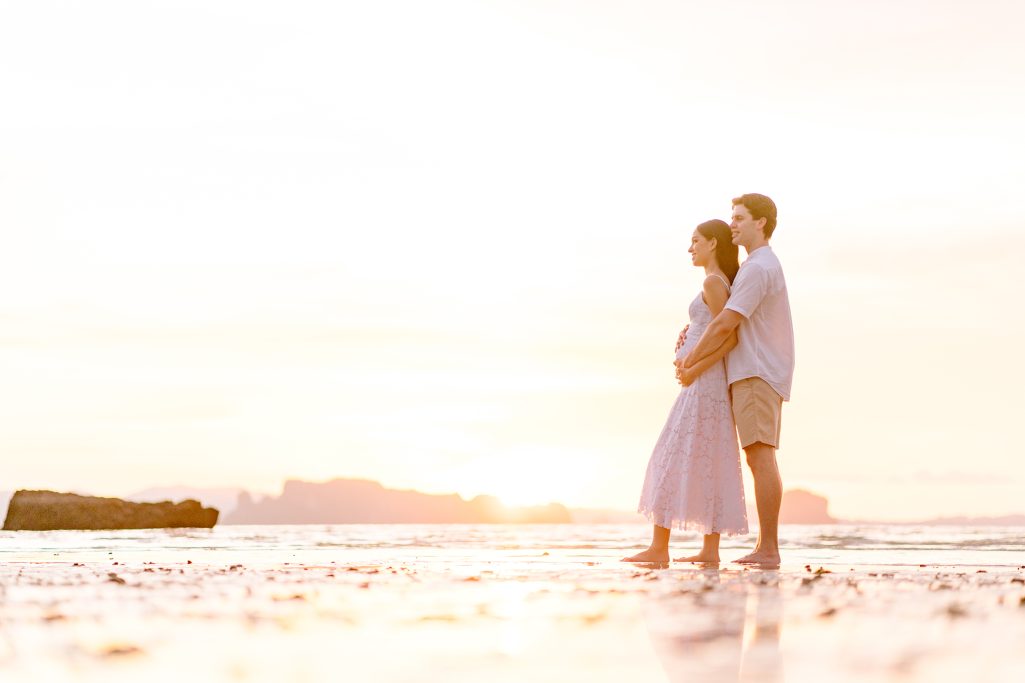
{"x": 760, "y": 206}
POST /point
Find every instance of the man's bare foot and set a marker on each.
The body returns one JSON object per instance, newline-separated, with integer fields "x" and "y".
{"x": 701, "y": 558}
{"x": 650, "y": 555}
{"x": 759, "y": 557}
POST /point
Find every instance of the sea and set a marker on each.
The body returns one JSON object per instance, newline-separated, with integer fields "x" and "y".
{"x": 869, "y": 544}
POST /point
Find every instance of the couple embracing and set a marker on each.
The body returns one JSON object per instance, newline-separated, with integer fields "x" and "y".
{"x": 735, "y": 361}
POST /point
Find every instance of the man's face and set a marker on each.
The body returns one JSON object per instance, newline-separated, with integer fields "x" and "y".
{"x": 745, "y": 229}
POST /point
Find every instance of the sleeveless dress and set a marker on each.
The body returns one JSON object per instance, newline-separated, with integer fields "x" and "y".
{"x": 693, "y": 480}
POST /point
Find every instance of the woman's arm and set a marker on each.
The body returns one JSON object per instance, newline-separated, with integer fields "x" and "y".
{"x": 715, "y": 293}
{"x": 724, "y": 322}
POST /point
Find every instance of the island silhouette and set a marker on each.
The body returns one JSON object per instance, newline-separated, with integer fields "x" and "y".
{"x": 364, "y": 501}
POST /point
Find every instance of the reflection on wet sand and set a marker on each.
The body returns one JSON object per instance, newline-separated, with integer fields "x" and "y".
{"x": 719, "y": 626}
{"x": 495, "y": 604}
{"x": 761, "y": 661}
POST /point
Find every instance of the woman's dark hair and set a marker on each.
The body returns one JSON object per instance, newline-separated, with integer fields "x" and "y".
{"x": 725, "y": 249}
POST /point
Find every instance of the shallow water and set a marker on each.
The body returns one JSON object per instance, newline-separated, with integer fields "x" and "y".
{"x": 495, "y": 602}
{"x": 888, "y": 542}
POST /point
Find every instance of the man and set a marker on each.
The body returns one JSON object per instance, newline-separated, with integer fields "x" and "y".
{"x": 761, "y": 367}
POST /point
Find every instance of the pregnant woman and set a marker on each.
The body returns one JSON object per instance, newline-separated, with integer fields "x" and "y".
{"x": 693, "y": 479}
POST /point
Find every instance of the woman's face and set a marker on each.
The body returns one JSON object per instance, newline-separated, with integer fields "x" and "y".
{"x": 702, "y": 250}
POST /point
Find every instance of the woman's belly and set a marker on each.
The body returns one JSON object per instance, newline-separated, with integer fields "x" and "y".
{"x": 713, "y": 380}
{"x": 693, "y": 335}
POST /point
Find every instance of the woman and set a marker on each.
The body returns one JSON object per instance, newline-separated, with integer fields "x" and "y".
{"x": 693, "y": 479}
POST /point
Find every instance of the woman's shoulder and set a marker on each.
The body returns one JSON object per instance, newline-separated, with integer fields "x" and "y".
{"x": 715, "y": 282}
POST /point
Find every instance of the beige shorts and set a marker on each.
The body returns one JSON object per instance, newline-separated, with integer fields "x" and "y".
{"x": 757, "y": 410}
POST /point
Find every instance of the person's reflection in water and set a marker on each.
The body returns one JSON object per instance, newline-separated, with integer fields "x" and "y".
{"x": 714, "y": 626}
{"x": 761, "y": 661}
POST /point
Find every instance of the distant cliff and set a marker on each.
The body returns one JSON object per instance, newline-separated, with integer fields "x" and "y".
{"x": 360, "y": 501}
{"x": 804, "y": 507}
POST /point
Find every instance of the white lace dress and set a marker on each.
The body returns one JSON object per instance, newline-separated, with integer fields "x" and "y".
{"x": 693, "y": 480}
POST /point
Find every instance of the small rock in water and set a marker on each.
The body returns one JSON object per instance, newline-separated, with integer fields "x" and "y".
{"x": 120, "y": 650}
{"x": 296, "y": 596}
{"x": 114, "y": 578}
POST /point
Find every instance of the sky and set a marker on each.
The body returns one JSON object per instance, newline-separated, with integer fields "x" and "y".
{"x": 443, "y": 245}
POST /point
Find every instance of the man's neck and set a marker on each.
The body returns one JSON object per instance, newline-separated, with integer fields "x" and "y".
{"x": 752, "y": 248}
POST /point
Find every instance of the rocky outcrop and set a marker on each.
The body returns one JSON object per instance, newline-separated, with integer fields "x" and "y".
{"x": 360, "y": 501}
{"x": 804, "y": 507}
{"x": 47, "y": 510}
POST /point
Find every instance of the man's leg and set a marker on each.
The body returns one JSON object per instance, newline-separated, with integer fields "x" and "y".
{"x": 768, "y": 496}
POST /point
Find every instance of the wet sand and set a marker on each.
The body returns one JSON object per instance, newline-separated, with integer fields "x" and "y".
{"x": 416, "y": 613}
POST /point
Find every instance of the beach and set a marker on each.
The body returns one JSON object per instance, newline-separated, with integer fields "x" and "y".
{"x": 508, "y": 603}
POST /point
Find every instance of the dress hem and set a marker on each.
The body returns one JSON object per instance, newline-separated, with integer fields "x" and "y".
{"x": 688, "y": 525}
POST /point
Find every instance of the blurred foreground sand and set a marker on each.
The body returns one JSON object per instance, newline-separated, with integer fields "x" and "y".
{"x": 435, "y": 613}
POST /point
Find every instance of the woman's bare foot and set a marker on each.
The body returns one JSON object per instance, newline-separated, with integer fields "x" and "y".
{"x": 702, "y": 558}
{"x": 650, "y": 555}
{"x": 759, "y": 557}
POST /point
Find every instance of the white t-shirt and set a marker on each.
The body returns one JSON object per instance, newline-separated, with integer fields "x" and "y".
{"x": 766, "y": 335}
